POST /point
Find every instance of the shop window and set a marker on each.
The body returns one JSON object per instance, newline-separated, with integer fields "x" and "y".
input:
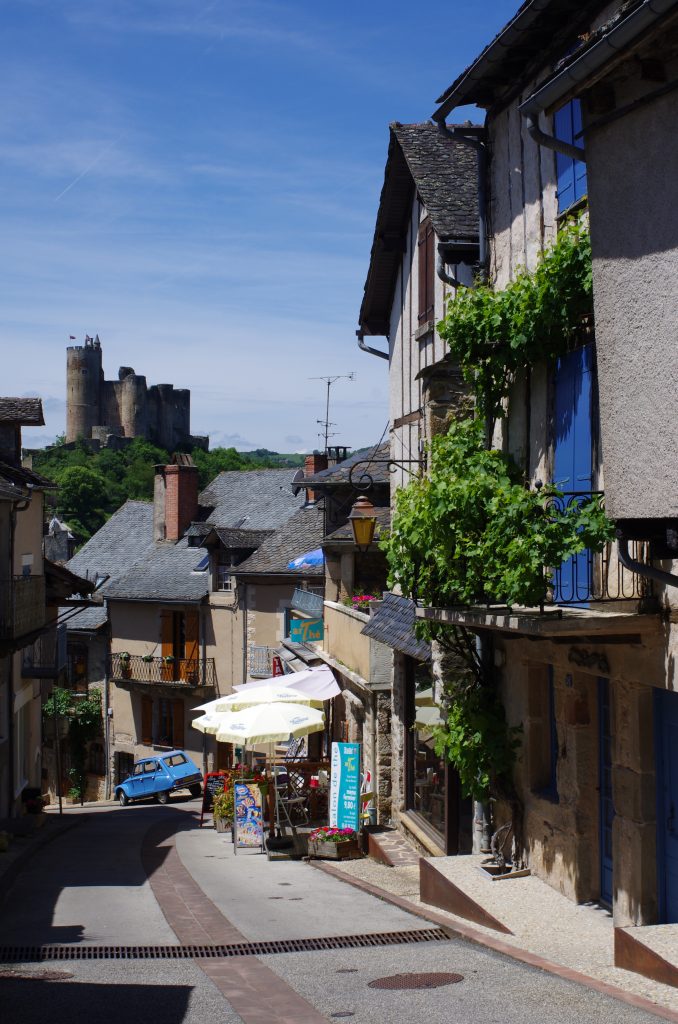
{"x": 426, "y": 772}
{"x": 542, "y": 745}
{"x": 570, "y": 173}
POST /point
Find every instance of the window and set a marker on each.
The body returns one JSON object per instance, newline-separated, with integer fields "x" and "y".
{"x": 225, "y": 581}
{"x": 77, "y": 667}
{"x": 426, "y": 261}
{"x": 570, "y": 173}
{"x": 175, "y": 760}
{"x": 171, "y": 723}
{"x": 139, "y": 768}
{"x": 542, "y": 745}
{"x": 151, "y": 766}
{"x": 97, "y": 761}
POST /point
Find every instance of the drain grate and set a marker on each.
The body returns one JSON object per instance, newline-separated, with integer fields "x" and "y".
{"x": 38, "y": 954}
{"x": 416, "y": 980}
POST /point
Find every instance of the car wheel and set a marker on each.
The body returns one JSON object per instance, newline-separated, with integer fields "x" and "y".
{"x": 195, "y": 790}
{"x": 123, "y": 799}
{"x": 163, "y": 797}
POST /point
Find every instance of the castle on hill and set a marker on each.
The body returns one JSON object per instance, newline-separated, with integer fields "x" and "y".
{"x": 108, "y": 412}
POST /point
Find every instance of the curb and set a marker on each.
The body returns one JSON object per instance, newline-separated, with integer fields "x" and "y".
{"x": 462, "y": 931}
{"x": 16, "y": 866}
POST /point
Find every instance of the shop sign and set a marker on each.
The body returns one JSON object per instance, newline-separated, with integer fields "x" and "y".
{"x": 249, "y": 822}
{"x": 345, "y": 786}
{"x": 303, "y": 631}
{"x": 213, "y": 782}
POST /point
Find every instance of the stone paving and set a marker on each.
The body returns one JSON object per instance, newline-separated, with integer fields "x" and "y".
{"x": 544, "y": 923}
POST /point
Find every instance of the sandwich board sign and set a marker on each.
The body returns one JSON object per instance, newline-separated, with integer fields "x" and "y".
{"x": 345, "y": 786}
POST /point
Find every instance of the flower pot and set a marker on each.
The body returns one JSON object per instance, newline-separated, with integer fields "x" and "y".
{"x": 347, "y": 849}
{"x": 223, "y": 824}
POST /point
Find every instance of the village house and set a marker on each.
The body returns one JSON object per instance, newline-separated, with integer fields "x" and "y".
{"x": 425, "y": 244}
{"x": 579, "y": 105}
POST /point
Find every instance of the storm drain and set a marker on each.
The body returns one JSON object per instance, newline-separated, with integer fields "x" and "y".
{"x": 426, "y": 980}
{"x": 37, "y": 954}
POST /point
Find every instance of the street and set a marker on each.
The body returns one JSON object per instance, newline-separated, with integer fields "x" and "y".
{"x": 146, "y": 876}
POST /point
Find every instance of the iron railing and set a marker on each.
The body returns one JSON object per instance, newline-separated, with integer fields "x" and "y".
{"x": 46, "y": 658}
{"x": 22, "y": 606}
{"x": 261, "y": 661}
{"x": 594, "y": 577}
{"x": 158, "y": 671}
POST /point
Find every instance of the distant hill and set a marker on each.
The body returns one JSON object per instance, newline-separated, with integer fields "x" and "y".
{"x": 93, "y": 485}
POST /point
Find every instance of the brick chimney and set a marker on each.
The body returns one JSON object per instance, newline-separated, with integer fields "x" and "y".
{"x": 175, "y": 498}
{"x": 313, "y": 464}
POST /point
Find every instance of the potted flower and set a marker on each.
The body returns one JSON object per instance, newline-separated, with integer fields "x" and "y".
{"x": 333, "y": 843}
{"x": 222, "y": 808}
{"x": 168, "y": 666}
{"x": 126, "y": 665}
{"x": 148, "y": 660}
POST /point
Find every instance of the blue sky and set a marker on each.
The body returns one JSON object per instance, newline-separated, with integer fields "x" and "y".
{"x": 197, "y": 183}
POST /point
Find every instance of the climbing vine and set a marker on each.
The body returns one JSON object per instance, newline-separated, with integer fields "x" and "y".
{"x": 84, "y": 725}
{"x": 494, "y": 334}
{"x": 472, "y": 533}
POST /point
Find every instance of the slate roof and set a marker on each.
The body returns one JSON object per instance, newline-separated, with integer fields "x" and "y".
{"x": 24, "y": 411}
{"x": 22, "y": 477}
{"x": 421, "y": 160}
{"x": 539, "y": 32}
{"x": 300, "y": 534}
{"x": 164, "y": 573}
{"x": 118, "y": 545}
{"x": 344, "y": 534}
{"x": 259, "y": 499}
{"x": 393, "y": 624}
{"x": 337, "y": 476}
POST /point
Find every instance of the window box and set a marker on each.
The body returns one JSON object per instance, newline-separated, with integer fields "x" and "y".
{"x": 348, "y": 849}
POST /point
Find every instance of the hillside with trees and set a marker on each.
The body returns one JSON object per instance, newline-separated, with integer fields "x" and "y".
{"x": 94, "y": 484}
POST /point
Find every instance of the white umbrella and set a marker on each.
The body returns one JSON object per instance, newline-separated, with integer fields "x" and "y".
{"x": 269, "y": 723}
{"x": 208, "y": 723}
{"x": 318, "y": 683}
{"x": 268, "y": 694}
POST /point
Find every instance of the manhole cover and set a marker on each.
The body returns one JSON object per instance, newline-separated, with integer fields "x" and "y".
{"x": 37, "y": 975}
{"x": 416, "y": 981}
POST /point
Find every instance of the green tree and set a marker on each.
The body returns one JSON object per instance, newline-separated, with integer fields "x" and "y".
{"x": 83, "y": 497}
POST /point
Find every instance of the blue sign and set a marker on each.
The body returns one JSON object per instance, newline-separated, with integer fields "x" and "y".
{"x": 303, "y": 631}
{"x": 345, "y": 786}
{"x": 249, "y": 824}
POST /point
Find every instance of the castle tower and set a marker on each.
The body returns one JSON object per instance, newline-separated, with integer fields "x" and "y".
{"x": 83, "y": 388}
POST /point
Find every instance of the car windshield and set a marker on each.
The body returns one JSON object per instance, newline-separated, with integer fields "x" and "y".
{"x": 175, "y": 760}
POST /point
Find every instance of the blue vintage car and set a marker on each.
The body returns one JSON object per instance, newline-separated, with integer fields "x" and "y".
{"x": 158, "y": 777}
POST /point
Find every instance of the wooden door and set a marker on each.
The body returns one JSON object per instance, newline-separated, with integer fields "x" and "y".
{"x": 167, "y": 645}
{"x": 178, "y": 723}
{"x": 191, "y": 662}
{"x": 666, "y": 733}
{"x": 147, "y": 720}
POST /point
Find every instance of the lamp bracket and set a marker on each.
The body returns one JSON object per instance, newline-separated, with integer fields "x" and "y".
{"x": 364, "y": 481}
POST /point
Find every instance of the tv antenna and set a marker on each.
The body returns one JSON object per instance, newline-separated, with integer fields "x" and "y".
{"x": 329, "y": 381}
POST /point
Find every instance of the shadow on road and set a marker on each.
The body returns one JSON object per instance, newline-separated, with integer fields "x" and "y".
{"x": 32, "y": 1001}
{"x": 83, "y": 866}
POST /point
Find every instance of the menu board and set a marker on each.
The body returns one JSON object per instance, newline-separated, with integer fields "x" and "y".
{"x": 213, "y": 782}
{"x": 249, "y": 822}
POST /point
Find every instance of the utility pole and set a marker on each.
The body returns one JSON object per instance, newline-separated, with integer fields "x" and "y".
{"x": 329, "y": 381}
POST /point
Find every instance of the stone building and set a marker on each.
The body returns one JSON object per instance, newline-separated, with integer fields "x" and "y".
{"x": 98, "y": 409}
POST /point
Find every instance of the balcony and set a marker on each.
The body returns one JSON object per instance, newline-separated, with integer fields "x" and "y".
{"x": 46, "y": 658}
{"x": 22, "y": 606}
{"x": 261, "y": 661}
{"x": 158, "y": 672}
{"x": 344, "y": 642}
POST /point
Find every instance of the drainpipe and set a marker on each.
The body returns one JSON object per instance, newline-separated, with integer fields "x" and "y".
{"x": 666, "y": 578}
{"x": 244, "y": 631}
{"x": 616, "y": 39}
{"x": 367, "y": 348}
{"x": 107, "y": 717}
{"x": 473, "y": 136}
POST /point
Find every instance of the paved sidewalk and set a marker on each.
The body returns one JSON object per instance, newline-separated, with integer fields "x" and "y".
{"x": 545, "y": 925}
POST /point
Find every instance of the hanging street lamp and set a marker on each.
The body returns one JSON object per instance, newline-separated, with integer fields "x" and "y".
{"x": 363, "y": 523}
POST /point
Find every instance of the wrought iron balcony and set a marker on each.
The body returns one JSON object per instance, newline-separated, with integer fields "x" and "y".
{"x": 22, "y": 606}
{"x": 163, "y": 672}
{"x": 46, "y": 658}
{"x": 261, "y": 661}
{"x": 594, "y": 577}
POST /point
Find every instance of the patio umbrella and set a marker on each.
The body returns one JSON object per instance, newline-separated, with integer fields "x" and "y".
{"x": 307, "y": 560}
{"x": 268, "y": 723}
{"x": 267, "y": 694}
{"x": 318, "y": 683}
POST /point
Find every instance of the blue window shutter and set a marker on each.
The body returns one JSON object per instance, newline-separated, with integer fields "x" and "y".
{"x": 562, "y": 124}
{"x": 580, "y": 187}
{"x": 570, "y": 174}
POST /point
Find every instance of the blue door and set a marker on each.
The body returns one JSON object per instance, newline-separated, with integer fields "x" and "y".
{"x": 666, "y": 732}
{"x": 605, "y": 786}
{"x": 573, "y": 459}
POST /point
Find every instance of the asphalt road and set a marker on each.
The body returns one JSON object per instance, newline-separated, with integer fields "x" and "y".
{"x": 89, "y": 887}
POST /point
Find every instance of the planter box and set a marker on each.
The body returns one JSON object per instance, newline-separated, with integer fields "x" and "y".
{"x": 222, "y": 825}
{"x": 345, "y": 850}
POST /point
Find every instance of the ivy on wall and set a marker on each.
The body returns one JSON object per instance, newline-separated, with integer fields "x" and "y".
{"x": 495, "y": 334}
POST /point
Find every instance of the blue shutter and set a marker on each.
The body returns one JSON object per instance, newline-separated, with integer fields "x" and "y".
{"x": 573, "y": 458}
{"x": 570, "y": 174}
